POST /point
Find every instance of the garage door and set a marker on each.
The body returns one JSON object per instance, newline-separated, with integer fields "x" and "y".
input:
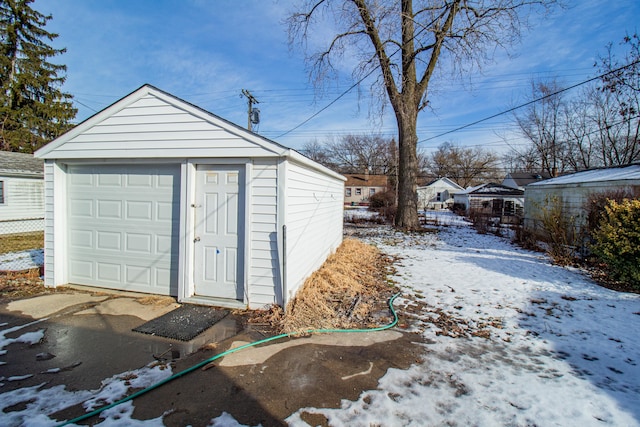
{"x": 123, "y": 227}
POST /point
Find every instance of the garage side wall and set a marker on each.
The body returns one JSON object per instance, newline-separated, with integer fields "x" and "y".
{"x": 264, "y": 271}
{"x": 314, "y": 209}
{"x": 48, "y": 224}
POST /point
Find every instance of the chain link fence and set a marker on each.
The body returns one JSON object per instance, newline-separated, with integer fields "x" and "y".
{"x": 21, "y": 245}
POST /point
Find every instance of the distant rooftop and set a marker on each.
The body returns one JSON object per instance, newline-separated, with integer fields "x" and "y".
{"x": 619, "y": 173}
{"x": 20, "y": 164}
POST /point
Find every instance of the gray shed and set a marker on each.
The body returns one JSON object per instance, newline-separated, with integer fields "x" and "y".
{"x": 155, "y": 195}
{"x": 572, "y": 191}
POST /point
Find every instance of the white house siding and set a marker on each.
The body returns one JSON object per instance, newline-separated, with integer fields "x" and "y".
{"x": 314, "y": 206}
{"x": 153, "y": 127}
{"x": 264, "y": 271}
{"x": 23, "y": 207}
{"x": 49, "y": 218}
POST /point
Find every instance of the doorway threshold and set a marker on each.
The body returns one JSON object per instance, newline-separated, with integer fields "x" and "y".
{"x": 215, "y": 302}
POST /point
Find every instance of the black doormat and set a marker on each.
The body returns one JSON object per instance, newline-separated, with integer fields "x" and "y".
{"x": 184, "y": 323}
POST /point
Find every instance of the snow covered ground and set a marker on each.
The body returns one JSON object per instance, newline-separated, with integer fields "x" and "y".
{"x": 532, "y": 344}
{"x": 510, "y": 340}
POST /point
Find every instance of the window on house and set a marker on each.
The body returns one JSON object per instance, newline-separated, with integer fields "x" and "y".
{"x": 358, "y": 191}
{"x": 509, "y": 208}
{"x": 347, "y": 192}
{"x": 372, "y": 191}
{"x": 1, "y": 192}
{"x": 439, "y": 197}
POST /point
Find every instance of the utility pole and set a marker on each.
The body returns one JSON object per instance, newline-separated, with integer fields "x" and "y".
{"x": 250, "y": 101}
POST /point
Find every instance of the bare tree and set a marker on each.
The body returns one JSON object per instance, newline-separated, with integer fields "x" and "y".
{"x": 543, "y": 124}
{"x": 402, "y": 45}
{"x": 353, "y": 153}
{"x": 466, "y": 166}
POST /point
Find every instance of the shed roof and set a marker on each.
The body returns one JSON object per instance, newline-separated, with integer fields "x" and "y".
{"x": 492, "y": 189}
{"x": 619, "y": 173}
{"x": 20, "y": 164}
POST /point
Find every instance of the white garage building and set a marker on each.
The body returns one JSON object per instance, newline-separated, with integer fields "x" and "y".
{"x": 156, "y": 195}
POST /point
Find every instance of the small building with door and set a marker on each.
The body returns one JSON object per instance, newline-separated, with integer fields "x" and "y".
{"x": 21, "y": 193}
{"x": 156, "y": 195}
{"x": 491, "y": 199}
{"x": 437, "y": 194}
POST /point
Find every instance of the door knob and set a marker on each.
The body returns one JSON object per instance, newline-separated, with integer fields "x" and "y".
{"x": 197, "y": 239}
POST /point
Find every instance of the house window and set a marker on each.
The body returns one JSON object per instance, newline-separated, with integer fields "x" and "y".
{"x": 358, "y": 191}
{"x": 509, "y": 208}
{"x": 439, "y": 197}
{"x": 372, "y": 191}
{"x": 347, "y": 192}
{"x": 1, "y": 192}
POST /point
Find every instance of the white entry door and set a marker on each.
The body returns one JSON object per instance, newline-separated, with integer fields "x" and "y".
{"x": 219, "y": 222}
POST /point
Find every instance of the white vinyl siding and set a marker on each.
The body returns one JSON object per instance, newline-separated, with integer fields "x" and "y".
{"x": 314, "y": 207}
{"x": 22, "y": 207}
{"x": 150, "y": 127}
{"x": 49, "y": 228}
{"x": 264, "y": 277}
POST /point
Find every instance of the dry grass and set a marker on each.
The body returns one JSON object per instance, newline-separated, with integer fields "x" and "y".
{"x": 350, "y": 290}
{"x": 24, "y": 284}
{"x": 22, "y": 242}
{"x": 158, "y": 300}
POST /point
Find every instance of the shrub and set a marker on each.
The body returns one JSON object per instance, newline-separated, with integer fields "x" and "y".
{"x": 382, "y": 200}
{"x": 617, "y": 241}
{"x": 385, "y": 204}
{"x": 596, "y": 203}
{"x": 559, "y": 231}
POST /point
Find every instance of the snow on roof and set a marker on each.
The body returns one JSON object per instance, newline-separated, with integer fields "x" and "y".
{"x": 621, "y": 173}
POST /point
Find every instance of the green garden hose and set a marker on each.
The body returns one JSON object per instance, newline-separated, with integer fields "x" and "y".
{"x": 225, "y": 353}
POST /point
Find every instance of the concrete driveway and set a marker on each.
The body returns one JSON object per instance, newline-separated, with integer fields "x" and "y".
{"x": 88, "y": 338}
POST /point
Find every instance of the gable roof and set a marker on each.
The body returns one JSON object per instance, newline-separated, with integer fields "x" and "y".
{"x": 445, "y": 181}
{"x": 151, "y": 123}
{"x": 364, "y": 180}
{"x": 20, "y": 165}
{"x": 617, "y": 173}
{"x": 522, "y": 179}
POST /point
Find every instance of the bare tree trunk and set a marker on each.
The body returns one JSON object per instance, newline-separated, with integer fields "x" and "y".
{"x": 407, "y": 213}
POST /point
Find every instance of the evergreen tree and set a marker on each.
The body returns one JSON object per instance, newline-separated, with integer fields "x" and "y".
{"x": 33, "y": 108}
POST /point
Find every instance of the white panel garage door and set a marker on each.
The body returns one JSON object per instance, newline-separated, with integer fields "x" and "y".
{"x": 123, "y": 227}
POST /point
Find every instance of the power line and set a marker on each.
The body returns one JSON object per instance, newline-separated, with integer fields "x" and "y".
{"x": 530, "y": 102}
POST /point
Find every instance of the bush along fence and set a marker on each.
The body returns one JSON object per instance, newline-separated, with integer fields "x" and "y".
{"x": 21, "y": 245}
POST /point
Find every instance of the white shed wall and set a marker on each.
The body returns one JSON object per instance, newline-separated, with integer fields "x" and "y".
{"x": 571, "y": 196}
{"x": 264, "y": 271}
{"x": 314, "y": 209}
{"x": 23, "y": 207}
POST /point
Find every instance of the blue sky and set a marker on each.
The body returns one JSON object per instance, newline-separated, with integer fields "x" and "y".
{"x": 206, "y": 52}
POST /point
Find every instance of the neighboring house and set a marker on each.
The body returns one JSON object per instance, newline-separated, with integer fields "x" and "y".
{"x": 491, "y": 199}
{"x": 360, "y": 187}
{"x": 438, "y": 194}
{"x": 156, "y": 195}
{"x": 21, "y": 193}
{"x": 520, "y": 180}
{"x": 572, "y": 192}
